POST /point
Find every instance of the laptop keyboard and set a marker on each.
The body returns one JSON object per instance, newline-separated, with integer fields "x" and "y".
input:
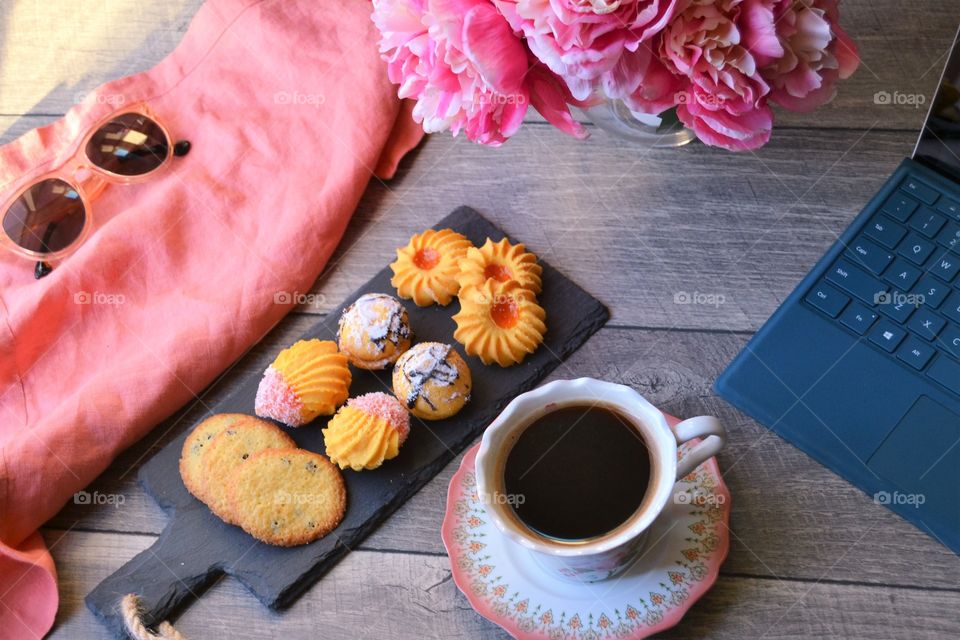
{"x": 896, "y": 284}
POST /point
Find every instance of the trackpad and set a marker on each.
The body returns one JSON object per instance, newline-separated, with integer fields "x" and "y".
{"x": 921, "y": 456}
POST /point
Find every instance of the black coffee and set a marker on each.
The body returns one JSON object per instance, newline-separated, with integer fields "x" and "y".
{"x": 577, "y": 472}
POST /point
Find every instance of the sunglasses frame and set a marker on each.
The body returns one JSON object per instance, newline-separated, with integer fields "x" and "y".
{"x": 88, "y": 187}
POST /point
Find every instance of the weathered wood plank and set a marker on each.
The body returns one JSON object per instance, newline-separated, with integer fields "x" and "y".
{"x": 53, "y": 53}
{"x": 779, "y": 494}
{"x": 43, "y": 70}
{"x": 636, "y": 229}
{"x": 391, "y": 595}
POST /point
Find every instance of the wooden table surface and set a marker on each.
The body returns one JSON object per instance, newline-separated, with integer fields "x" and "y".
{"x": 811, "y": 556}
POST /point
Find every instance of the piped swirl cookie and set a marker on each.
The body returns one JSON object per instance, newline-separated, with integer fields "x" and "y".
{"x": 432, "y": 380}
{"x": 369, "y": 430}
{"x": 499, "y": 322}
{"x": 425, "y": 270}
{"x": 502, "y": 262}
{"x": 308, "y": 379}
{"x": 374, "y": 331}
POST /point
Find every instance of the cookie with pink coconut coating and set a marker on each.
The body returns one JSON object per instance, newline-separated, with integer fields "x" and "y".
{"x": 309, "y": 379}
{"x": 369, "y": 430}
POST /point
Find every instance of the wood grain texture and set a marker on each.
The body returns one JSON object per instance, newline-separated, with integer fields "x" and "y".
{"x": 638, "y": 228}
{"x": 635, "y": 228}
{"x": 394, "y": 595}
{"x": 105, "y": 40}
{"x": 779, "y": 493}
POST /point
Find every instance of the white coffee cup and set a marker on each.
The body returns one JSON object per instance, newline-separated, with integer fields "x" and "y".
{"x": 606, "y": 555}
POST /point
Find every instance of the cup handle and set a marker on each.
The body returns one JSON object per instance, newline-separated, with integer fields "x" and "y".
{"x": 714, "y": 438}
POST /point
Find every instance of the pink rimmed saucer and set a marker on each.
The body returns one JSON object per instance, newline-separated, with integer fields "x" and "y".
{"x": 503, "y": 583}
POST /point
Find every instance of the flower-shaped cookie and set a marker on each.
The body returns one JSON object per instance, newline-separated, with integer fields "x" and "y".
{"x": 425, "y": 270}
{"x": 500, "y": 261}
{"x": 499, "y": 322}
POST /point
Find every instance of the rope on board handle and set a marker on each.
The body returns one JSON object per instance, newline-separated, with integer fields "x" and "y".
{"x": 130, "y": 607}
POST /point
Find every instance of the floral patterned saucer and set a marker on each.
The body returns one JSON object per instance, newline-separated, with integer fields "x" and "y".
{"x": 503, "y": 583}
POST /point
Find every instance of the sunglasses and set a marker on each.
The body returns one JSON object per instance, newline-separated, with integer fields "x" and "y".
{"x": 49, "y": 216}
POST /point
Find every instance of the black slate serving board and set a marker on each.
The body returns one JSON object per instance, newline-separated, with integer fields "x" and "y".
{"x": 196, "y": 547}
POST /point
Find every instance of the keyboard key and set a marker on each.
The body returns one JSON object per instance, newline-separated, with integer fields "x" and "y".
{"x": 933, "y": 291}
{"x": 915, "y": 353}
{"x": 945, "y": 266}
{"x": 949, "y": 236}
{"x": 896, "y": 305}
{"x": 885, "y": 231}
{"x": 949, "y": 340}
{"x": 886, "y": 335}
{"x": 920, "y": 190}
{"x": 899, "y": 206}
{"x": 856, "y": 281}
{"x": 827, "y": 299}
{"x": 916, "y": 249}
{"x": 902, "y": 274}
{"x": 949, "y": 207}
{"x": 926, "y": 323}
{"x": 858, "y": 318}
{"x": 927, "y": 222}
{"x": 946, "y": 372}
{"x": 951, "y": 308}
{"x": 869, "y": 254}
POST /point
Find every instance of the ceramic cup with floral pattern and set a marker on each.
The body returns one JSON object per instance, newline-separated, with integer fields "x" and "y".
{"x": 606, "y": 555}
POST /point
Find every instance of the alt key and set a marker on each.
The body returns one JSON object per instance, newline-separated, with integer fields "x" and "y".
{"x": 915, "y": 353}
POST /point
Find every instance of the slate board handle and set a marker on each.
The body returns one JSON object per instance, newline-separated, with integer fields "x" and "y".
{"x": 160, "y": 576}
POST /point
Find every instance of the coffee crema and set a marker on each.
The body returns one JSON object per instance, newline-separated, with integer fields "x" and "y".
{"x": 577, "y": 473}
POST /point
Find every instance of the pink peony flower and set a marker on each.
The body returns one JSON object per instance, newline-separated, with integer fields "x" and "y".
{"x": 591, "y": 44}
{"x": 661, "y": 88}
{"x": 815, "y": 53}
{"x": 715, "y": 45}
{"x": 466, "y": 69}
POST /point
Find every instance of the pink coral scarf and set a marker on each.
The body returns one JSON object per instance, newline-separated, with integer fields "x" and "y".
{"x": 290, "y": 112}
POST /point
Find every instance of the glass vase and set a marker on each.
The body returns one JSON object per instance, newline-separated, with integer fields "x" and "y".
{"x": 650, "y": 130}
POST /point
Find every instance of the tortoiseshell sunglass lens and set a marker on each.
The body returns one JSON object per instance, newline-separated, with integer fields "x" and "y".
{"x": 131, "y": 144}
{"x": 48, "y": 217}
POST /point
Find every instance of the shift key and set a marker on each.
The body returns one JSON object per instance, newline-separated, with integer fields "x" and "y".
{"x": 856, "y": 281}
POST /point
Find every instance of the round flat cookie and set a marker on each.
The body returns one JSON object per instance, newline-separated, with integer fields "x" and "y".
{"x": 287, "y": 497}
{"x": 197, "y": 443}
{"x": 227, "y": 450}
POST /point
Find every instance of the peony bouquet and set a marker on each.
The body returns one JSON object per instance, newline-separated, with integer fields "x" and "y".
{"x": 478, "y": 65}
